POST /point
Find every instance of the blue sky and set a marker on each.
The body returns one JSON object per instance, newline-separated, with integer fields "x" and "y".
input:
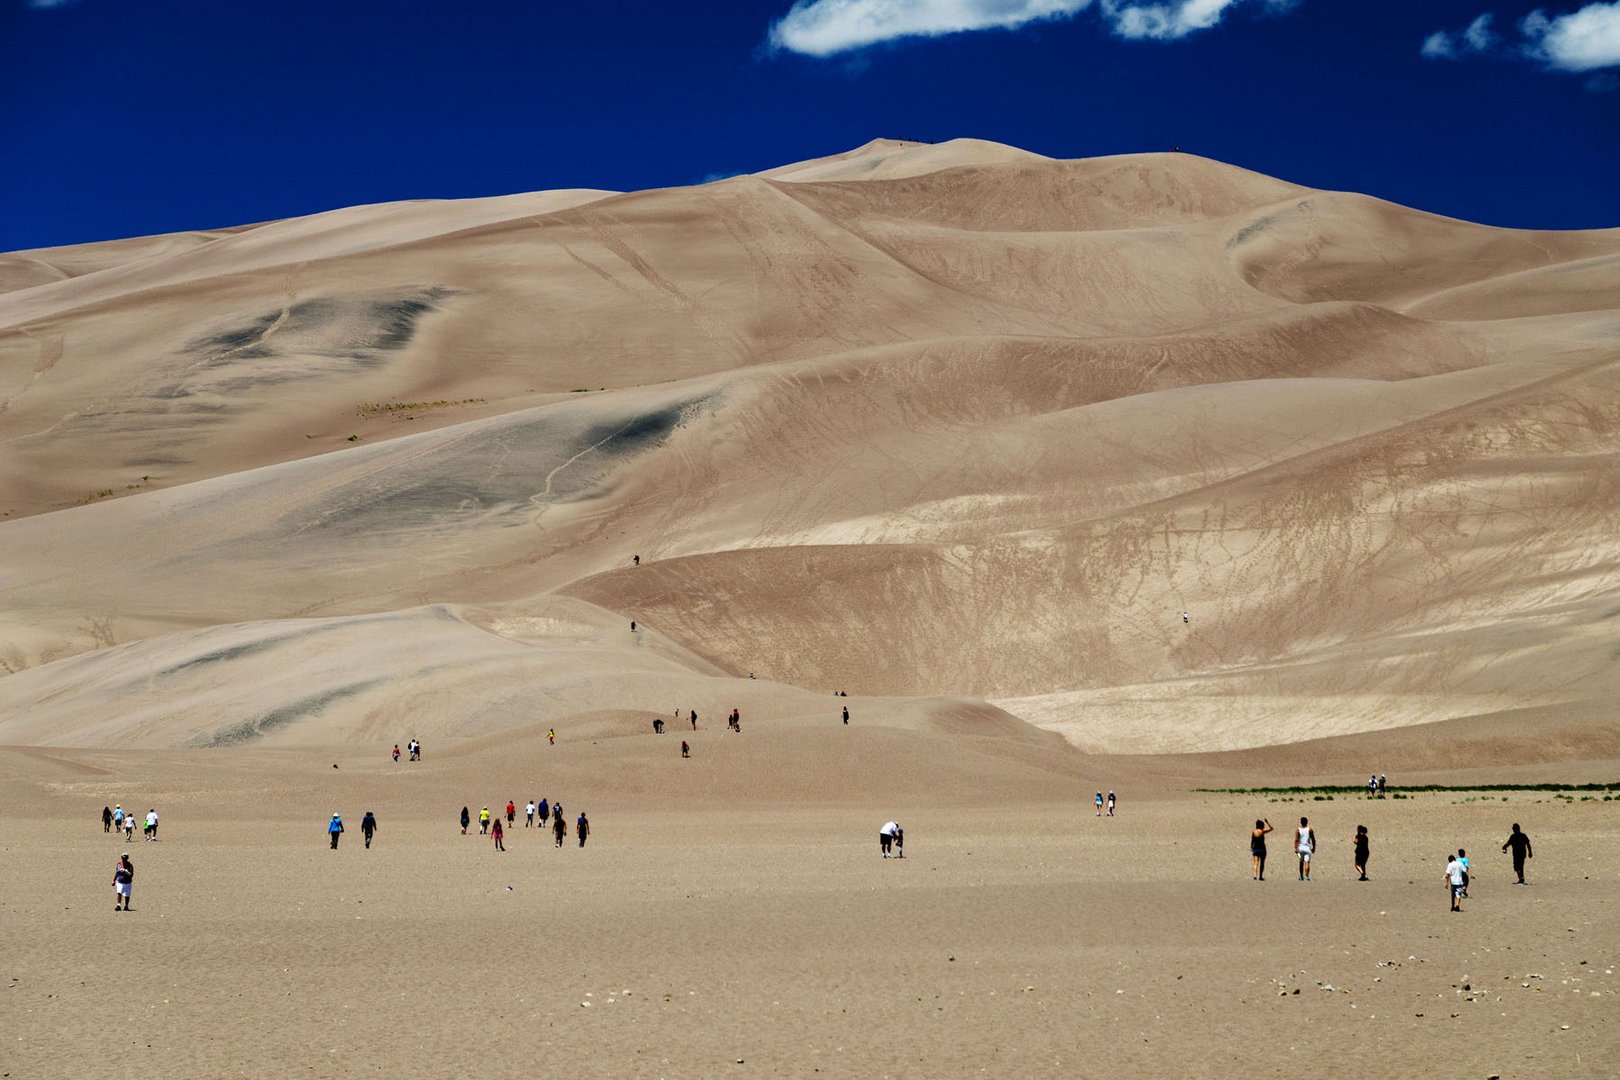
{"x": 125, "y": 117}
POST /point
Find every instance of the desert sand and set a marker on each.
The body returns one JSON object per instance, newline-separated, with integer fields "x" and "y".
{"x": 1143, "y": 473}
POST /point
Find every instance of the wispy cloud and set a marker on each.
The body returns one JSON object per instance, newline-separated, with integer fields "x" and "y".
{"x": 1579, "y": 41}
{"x": 1476, "y": 37}
{"x": 41, "y": 5}
{"x": 826, "y": 27}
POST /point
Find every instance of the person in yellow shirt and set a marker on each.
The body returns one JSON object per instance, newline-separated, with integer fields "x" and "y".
{"x": 483, "y": 821}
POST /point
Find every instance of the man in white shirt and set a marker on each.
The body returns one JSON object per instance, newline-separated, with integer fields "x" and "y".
{"x": 1455, "y": 873}
{"x": 151, "y": 825}
{"x": 886, "y": 837}
{"x": 1304, "y": 844}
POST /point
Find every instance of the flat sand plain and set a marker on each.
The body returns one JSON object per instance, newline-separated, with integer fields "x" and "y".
{"x": 692, "y": 938}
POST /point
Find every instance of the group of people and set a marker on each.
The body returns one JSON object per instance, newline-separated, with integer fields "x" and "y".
{"x": 368, "y": 828}
{"x": 892, "y": 840}
{"x": 115, "y": 819}
{"x": 1375, "y": 785}
{"x": 413, "y": 750}
{"x": 1110, "y": 804}
{"x": 534, "y": 813}
{"x": 659, "y": 723}
{"x": 1457, "y": 867}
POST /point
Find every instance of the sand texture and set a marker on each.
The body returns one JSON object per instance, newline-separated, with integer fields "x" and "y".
{"x": 1144, "y": 472}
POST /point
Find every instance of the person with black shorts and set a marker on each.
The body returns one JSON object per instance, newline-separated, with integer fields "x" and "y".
{"x": 1362, "y": 851}
{"x": 1257, "y": 845}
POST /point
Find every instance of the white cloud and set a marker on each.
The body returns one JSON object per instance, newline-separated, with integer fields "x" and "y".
{"x": 825, "y": 27}
{"x": 42, "y": 4}
{"x": 1583, "y": 40}
{"x": 1165, "y": 21}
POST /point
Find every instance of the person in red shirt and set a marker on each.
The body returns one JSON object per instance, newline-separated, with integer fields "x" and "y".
{"x": 511, "y": 811}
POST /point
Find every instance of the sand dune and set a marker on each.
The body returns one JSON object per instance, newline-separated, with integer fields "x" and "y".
{"x": 911, "y": 421}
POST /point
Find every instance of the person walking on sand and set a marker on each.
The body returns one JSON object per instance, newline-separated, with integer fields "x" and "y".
{"x": 1520, "y": 843}
{"x": 551, "y": 736}
{"x": 1099, "y": 804}
{"x": 1257, "y": 847}
{"x": 582, "y": 827}
{"x": 129, "y": 826}
{"x": 528, "y": 814}
{"x": 899, "y": 841}
{"x": 466, "y": 819}
{"x": 123, "y": 882}
{"x": 118, "y": 818}
{"x": 1362, "y": 850}
{"x": 686, "y": 751}
{"x": 483, "y": 822}
{"x": 151, "y": 823}
{"x": 1304, "y": 844}
{"x": 1456, "y": 877}
{"x": 334, "y": 829}
{"x": 559, "y": 828}
{"x": 396, "y": 753}
{"x": 636, "y": 559}
{"x": 694, "y": 719}
{"x": 368, "y": 826}
{"x": 511, "y": 812}
{"x": 846, "y": 715}
{"x": 500, "y": 837}
{"x": 545, "y": 812}
{"x": 1462, "y": 857}
{"x": 886, "y": 838}
{"x": 1111, "y": 804}
{"x": 106, "y": 819}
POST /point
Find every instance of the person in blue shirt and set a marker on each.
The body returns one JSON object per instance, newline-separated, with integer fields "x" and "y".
{"x": 335, "y": 830}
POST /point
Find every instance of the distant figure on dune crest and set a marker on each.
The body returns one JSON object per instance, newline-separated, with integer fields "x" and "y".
{"x": 334, "y": 829}
{"x": 1111, "y": 804}
{"x": 632, "y": 626}
{"x": 636, "y": 559}
{"x": 499, "y": 836}
{"x": 1257, "y": 847}
{"x": 559, "y": 828}
{"x": 583, "y": 828}
{"x": 886, "y": 837}
{"x": 1304, "y": 844}
{"x": 106, "y": 819}
{"x": 1362, "y": 851}
{"x": 686, "y": 751}
{"x": 483, "y": 821}
{"x": 466, "y": 819}
{"x": 1520, "y": 843}
{"x": 658, "y": 725}
{"x": 123, "y": 882}
{"x": 396, "y": 753}
{"x": 694, "y": 719}
{"x": 1099, "y": 804}
{"x": 1185, "y": 618}
{"x": 368, "y": 826}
